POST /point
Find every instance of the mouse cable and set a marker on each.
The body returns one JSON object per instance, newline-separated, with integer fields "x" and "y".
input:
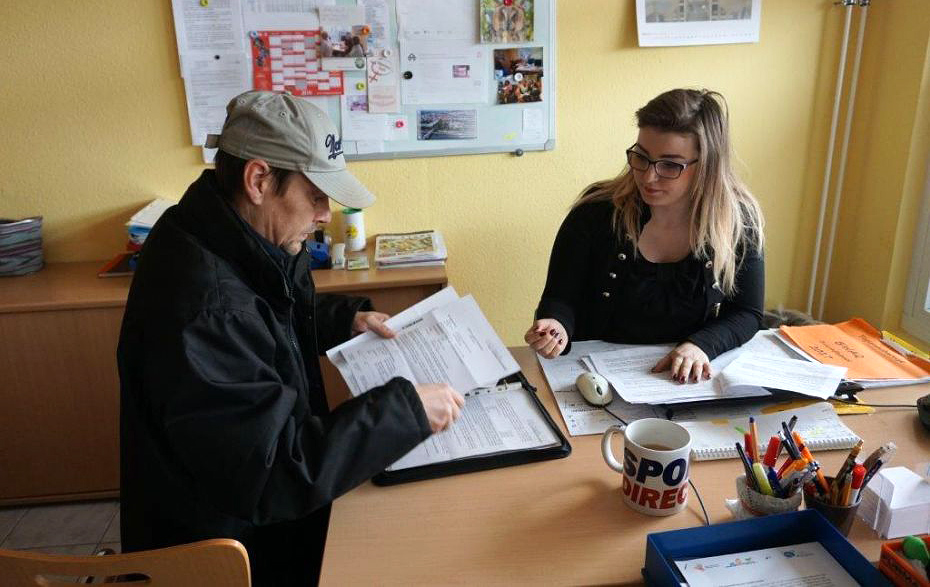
{"x": 690, "y": 482}
{"x": 855, "y": 403}
{"x": 700, "y": 501}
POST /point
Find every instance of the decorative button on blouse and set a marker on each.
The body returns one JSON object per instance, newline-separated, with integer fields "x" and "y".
{"x": 709, "y": 264}
{"x": 606, "y": 294}
{"x": 612, "y": 275}
{"x": 622, "y": 256}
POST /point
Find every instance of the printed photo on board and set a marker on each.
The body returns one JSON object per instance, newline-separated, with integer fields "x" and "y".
{"x": 439, "y": 125}
{"x": 506, "y": 21}
{"x": 519, "y": 74}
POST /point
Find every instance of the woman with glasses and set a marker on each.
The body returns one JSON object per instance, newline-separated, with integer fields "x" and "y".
{"x": 669, "y": 251}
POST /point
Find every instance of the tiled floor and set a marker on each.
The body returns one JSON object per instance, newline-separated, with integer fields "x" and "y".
{"x": 78, "y": 528}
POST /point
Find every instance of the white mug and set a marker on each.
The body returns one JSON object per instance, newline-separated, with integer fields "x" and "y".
{"x": 655, "y": 465}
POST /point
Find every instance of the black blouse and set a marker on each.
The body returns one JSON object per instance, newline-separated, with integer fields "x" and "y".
{"x": 599, "y": 289}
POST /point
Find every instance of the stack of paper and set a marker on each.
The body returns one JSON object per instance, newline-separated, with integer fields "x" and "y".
{"x": 443, "y": 339}
{"x": 735, "y": 374}
{"x": 762, "y": 362}
{"x": 896, "y": 503}
{"x": 410, "y": 249}
{"x": 856, "y": 345}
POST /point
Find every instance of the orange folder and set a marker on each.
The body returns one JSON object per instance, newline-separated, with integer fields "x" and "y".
{"x": 858, "y": 346}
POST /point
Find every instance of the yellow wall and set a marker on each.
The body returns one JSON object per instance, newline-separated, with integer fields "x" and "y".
{"x": 886, "y": 169}
{"x": 94, "y": 125}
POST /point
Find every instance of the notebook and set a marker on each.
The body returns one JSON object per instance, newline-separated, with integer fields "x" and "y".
{"x": 817, "y": 424}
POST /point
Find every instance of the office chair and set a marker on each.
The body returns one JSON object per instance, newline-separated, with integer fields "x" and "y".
{"x": 209, "y": 563}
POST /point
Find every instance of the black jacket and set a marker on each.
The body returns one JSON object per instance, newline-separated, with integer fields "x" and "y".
{"x": 224, "y": 424}
{"x": 588, "y": 263}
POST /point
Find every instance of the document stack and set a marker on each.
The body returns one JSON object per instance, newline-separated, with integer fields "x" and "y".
{"x": 138, "y": 229}
{"x": 411, "y": 249}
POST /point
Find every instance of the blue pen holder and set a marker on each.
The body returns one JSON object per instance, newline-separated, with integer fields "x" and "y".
{"x": 319, "y": 255}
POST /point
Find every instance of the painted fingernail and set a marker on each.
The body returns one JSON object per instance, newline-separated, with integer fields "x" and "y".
{"x": 552, "y": 332}
{"x": 560, "y": 341}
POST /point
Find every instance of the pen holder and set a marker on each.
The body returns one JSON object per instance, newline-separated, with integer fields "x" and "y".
{"x": 751, "y": 503}
{"x": 841, "y": 516}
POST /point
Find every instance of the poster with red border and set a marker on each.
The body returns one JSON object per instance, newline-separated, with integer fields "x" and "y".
{"x": 288, "y": 61}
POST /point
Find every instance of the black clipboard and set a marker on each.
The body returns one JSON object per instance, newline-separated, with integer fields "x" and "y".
{"x": 490, "y": 461}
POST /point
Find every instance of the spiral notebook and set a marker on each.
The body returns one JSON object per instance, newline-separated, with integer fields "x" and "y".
{"x": 817, "y": 424}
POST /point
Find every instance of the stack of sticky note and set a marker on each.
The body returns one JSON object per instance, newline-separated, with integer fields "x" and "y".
{"x": 896, "y": 503}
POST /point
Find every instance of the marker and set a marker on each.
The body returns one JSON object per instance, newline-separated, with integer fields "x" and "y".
{"x": 771, "y": 453}
{"x": 790, "y": 446}
{"x": 792, "y": 422}
{"x": 764, "y": 486}
{"x": 858, "y": 476}
{"x": 871, "y": 472}
{"x": 747, "y": 442}
{"x": 755, "y": 439}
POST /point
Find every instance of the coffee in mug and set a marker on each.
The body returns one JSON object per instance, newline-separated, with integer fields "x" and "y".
{"x": 656, "y": 456}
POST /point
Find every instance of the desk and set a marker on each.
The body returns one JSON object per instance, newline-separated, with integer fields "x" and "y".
{"x": 59, "y": 422}
{"x": 556, "y": 522}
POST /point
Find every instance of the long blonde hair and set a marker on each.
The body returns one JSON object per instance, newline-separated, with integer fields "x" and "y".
{"x": 726, "y": 220}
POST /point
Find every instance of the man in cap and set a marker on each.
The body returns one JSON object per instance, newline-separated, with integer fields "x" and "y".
{"x": 225, "y": 431}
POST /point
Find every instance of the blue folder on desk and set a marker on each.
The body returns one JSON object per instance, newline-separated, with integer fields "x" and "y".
{"x": 662, "y": 548}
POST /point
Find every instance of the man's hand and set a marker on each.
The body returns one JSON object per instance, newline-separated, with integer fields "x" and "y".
{"x": 442, "y": 404}
{"x": 374, "y": 321}
{"x": 547, "y": 337}
{"x": 687, "y": 362}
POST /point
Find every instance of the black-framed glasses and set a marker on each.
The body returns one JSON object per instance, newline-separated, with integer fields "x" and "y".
{"x": 664, "y": 168}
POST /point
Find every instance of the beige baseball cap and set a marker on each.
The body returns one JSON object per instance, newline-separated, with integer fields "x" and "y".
{"x": 290, "y": 133}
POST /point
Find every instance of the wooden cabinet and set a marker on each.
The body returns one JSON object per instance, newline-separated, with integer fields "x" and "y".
{"x": 59, "y": 388}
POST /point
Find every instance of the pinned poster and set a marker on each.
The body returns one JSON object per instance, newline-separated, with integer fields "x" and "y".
{"x": 384, "y": 81}
{"x": 444, "y": 72}
{"x": 211, "y": 82}
{"x": 206, "y": 29}
{"x": 287, "y": 61}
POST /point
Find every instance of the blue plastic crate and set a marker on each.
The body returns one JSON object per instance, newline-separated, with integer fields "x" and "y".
{"x": 662, "y": 548}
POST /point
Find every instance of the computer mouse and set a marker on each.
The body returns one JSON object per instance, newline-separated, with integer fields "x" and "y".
{"x": 594, "y": 389}
{"x": 923, "y": 411}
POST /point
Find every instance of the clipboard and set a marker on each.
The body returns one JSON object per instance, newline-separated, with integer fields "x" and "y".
{"x": 560, "y": 449}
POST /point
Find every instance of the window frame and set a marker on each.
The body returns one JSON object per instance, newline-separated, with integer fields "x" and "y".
{"x": 915, "y": 317}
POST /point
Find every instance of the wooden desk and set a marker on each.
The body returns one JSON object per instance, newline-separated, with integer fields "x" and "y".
{"x": 59, "y": 422}
{"x": 557, "y": 522}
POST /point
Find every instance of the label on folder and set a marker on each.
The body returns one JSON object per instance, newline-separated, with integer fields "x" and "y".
{"x": 798, "y": 565}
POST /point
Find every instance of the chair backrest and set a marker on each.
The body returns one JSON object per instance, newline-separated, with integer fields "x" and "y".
{"x": 209, "y": 563}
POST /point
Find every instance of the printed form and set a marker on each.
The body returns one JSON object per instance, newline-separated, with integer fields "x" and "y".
{"x": 491, "y": 422}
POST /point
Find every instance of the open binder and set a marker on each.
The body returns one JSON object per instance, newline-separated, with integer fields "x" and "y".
{"x": 549, "y": 442}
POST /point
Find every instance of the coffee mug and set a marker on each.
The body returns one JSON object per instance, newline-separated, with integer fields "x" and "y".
{"x": 655, "y": 465}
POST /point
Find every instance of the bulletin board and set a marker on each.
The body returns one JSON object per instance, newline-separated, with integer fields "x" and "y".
{"x": 401, "y": 78}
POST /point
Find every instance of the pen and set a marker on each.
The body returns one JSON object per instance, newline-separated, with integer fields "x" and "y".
{"x": 773, "y": 481}
{"x": 858, "y": 476}
{"x": 843, "y": 497}
{"x": 754, "y": 433}
{"x": 792, "y": 422}
{"x": 821, "y": 480}
{"x": 884, "y": 452}
{"x": 790, "y": 446}
{"x": 763, "y": 482}
{"x": 849, "y": 463}
{"x": 750, "y": 477}
{"x": 502, "y": 387}
{"x": 872, "y": 471}
{"x": 747, "y": 441}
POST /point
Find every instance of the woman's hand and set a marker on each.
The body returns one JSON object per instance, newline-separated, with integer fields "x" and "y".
{"x": 687, "y": 362}
{"x": 547, "y": 337}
